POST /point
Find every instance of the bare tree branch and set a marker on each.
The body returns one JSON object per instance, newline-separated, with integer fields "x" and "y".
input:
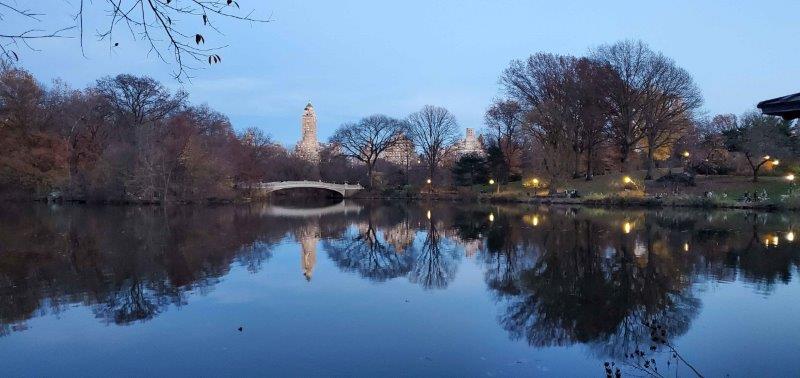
{"x": 154, "y": 22}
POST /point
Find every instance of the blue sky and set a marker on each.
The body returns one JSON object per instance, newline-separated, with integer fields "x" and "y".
{"x": 355, "y": 58}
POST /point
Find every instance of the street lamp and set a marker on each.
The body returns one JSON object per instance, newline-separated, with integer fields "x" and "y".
{"x": 776, "y": 162}
{"x": 627, "y": 227}
{"x": 627, "y": 180}
{"x": 491, "y": 182}
{"x": 790, "y": 177}
{"x": 686, "y": 155}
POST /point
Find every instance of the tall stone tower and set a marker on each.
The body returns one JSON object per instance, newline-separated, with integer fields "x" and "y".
{"x": 308, "y": 146}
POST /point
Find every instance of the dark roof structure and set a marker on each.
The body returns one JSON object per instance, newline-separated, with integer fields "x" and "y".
{"x": 787, "y": 107}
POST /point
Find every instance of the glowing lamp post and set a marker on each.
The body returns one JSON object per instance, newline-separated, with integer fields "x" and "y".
{"x": 627, "y": 180}
{"x": 686, "y": 156}
{"x": 627, "y": 227}
{"x": 492, "y": 182}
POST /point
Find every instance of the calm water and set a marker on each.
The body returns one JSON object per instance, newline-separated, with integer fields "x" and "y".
{"x": 396, "y": 289}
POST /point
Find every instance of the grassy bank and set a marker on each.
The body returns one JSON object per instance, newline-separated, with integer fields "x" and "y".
{"x": 612, "y": 190}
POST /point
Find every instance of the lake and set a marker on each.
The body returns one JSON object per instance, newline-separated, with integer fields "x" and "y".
{"x": 390, "y": 288}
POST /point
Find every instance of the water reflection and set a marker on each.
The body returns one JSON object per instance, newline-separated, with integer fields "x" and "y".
{"x": 361, "y": 249}
{"x": 559, "y": 276}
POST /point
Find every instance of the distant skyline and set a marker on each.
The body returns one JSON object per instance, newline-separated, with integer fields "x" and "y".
{"x": 356, "y": 58}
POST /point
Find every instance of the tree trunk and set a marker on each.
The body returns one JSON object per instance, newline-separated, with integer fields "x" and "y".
{"x": 623, "y": 159}
{"x": 589, "y": 173}
{"x": 754, "y": 167}
{"x": 649, "y": 175}
{"x": 576, "y": 163}
{"x": 369, "y": 176}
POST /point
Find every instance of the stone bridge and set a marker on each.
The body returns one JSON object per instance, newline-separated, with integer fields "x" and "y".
{"x": 346, "y": 190}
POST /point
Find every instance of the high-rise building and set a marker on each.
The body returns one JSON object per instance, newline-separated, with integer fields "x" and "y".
{"x": 402, "y": 153}
{"x": 308, "y": 146}
{"x": 471, "y": 144}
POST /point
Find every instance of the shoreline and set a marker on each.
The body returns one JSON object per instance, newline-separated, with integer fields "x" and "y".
{"x": 619, "y": 202}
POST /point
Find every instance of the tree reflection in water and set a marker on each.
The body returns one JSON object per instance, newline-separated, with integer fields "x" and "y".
{"x": 127, "y": 264}
{"x": 560, "y": 276}
{"x": 389, "y": 251}
{"x": 603, "y": 278}
{"x": 364, "y": 251}
{"x": 590, "y": 286}
{"x": 437, "y": 260}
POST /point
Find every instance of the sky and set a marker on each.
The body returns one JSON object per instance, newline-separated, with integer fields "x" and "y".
{"x": 356, "y": 58}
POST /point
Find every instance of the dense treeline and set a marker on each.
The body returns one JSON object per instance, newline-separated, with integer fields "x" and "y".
{"x": 130, "y": 139}
{"x": 623, "y": 107}
{"x": 125, "y": 138}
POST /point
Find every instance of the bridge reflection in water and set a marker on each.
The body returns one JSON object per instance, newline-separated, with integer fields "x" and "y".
{"x": 343, "y": 207}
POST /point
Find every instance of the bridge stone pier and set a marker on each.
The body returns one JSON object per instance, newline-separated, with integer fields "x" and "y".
{"x": 345, "y": 190}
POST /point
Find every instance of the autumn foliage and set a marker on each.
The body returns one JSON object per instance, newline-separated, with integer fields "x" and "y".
{"x": 125, "y": 138}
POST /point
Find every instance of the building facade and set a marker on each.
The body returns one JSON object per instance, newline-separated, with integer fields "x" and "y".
{"x": 471, "y": 144}
{"x": 401, "y": 154}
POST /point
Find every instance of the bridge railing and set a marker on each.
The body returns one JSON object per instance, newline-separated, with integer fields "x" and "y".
{"x": 310, "y": 183}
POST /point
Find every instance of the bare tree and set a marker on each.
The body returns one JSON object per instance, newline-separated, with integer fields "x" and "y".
{"x": 366, "y": 140}
{"x": 434, "y": 131}
{"x": 629, "y": 59}
{"x": 139, "y": 100}
{"x": 594, "y": 107}
{"x": 668, "y": 105}
{"x": 761, "y": 139}
{"x": 504, "y": 121}
{"x": 157, "y": 23}
{"x": 539, "y": 86}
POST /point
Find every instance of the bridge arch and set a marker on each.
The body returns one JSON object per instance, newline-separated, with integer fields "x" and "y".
{"x": 288, "y": 189}
{"x": 345, "y": 190}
